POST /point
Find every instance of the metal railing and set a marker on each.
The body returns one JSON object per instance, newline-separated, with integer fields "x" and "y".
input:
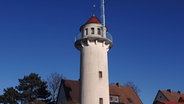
{"x": 79, "y": 36}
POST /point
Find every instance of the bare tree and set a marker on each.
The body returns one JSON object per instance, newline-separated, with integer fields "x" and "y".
{"x": 54, "y": 80}
{"x": 135, "y": 87}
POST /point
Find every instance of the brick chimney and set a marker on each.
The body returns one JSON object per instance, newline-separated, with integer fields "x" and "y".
{"x": 169, "y": 90}
{"x": 118, "y": 84}
{"x": 179, "y": 92}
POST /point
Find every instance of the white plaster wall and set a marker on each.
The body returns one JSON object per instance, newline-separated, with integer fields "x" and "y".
{"x": 95, "y": 26}
{"x": 94, "y": 59}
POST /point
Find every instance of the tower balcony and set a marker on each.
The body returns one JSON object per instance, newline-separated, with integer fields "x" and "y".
{"x": 107, "y": 38}
{"x": 79, "y": 36}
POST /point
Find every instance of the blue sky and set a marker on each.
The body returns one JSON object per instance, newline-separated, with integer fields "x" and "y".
{"x": 148, "y": 47}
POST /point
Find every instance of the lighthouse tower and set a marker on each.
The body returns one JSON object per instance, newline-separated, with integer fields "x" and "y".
{"x": 94, "y": 43}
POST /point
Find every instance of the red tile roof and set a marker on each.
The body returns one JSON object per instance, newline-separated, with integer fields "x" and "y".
{"x": 71, "y": 88}
{"x": 124, "y": 93}
{"x": 93, "y": 19}
{"x": 127, "y": 94}
{"x": 168, "y": 102}
{"x": 181, "y": 99}
{"x": 172, "y": 96}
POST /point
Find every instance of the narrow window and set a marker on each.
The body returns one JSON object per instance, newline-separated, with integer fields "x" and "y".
{"x": 86, "y": 31}
{"x": 92, "y": 31}
{"x": 99, "y": 31}
{"x": 100, "y": 74}
{"x": 101, "y": 101}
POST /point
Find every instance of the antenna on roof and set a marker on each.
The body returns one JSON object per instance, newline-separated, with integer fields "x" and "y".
{"x": 103, "y": 11}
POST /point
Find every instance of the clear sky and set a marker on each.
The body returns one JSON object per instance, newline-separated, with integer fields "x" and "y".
{"x": 148, "y": 47}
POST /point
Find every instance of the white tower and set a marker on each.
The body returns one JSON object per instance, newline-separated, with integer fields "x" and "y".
{"x": 93, "y": 44}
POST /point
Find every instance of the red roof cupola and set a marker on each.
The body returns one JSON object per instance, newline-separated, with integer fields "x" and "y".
{"x": 93, "y": 19}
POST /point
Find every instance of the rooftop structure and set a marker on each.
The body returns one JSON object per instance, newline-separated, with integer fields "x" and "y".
{"x": 70, "y": 89}
{"x": 169, "y": 97}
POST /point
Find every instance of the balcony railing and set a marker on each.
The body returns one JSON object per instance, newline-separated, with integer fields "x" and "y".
{"x": 107, "y": 35}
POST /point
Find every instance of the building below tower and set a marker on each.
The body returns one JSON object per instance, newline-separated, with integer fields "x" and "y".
{"x": 70, "y": 89}
{"x": 169, "y": 97}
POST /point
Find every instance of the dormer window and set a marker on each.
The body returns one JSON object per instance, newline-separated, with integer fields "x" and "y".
{"x": 86, "y": 31}
{"x": 114, "y": 99}
{"x": 92, "y": 31}
{"x": 99, "y": 32}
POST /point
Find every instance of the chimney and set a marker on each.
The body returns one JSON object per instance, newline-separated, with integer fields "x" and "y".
{"x": 118, "y": 84}
{"x": 169, "y": 90}
{"x": 179, "y": 92}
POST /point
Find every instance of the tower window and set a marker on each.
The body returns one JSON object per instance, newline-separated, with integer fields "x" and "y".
{"x": 92, "y": 31}
{"x": 86, "y": 31}
{"x": 99, "y": 31}
{"x": 100, "y": 100}
{"x": 100, "y": 74}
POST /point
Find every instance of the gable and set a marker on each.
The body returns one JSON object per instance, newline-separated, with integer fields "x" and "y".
{"x": 181, "y": 99}
{"x": 168, "y": 96}
{"x": 160, "y": 96}
{"x": 171, "y": 95}
{"x": 61, "y": 98}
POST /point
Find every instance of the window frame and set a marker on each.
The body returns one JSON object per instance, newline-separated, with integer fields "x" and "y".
{"x": 114, "y": 99}
{"x": 100, "y": 74}
{"x": 98, "y": 31}
{"x": 100, "y": 100}
{"x": 86, "y": 31}
{"x": 92, "y": 30}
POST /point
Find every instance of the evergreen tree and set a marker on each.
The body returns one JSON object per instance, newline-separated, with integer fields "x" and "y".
{"x": 1, "y": 99}
{"x": 10, "y": 96}
{"x": 32, "y": 88}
